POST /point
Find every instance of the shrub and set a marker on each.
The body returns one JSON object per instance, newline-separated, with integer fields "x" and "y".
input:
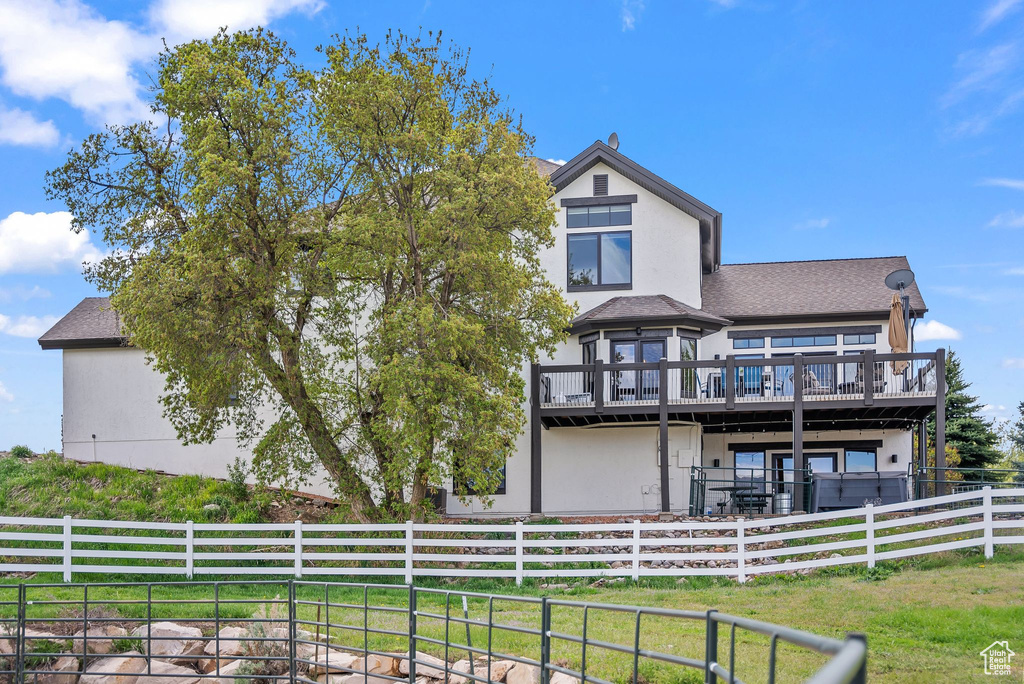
{"x": 237, "y": 487}
{"x": 259, "y": 641}
{"x": 22, "y": 451}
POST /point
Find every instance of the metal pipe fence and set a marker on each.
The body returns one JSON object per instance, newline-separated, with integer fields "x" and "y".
{"x": 314, "y": 632}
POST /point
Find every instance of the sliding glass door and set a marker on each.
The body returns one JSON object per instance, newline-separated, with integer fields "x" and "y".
{"x": 632, "y": 385}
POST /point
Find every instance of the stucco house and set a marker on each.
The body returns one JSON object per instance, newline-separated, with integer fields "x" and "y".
{"x": 686, "y": 386}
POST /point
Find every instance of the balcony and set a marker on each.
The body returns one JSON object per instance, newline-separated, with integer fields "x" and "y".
{"x": 780, "y": 383}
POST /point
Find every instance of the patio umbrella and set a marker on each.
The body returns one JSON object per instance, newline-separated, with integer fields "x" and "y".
{"x": 897, "y": 333}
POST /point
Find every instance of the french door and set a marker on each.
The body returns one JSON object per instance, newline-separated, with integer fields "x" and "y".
{"x": 632, "y": 385}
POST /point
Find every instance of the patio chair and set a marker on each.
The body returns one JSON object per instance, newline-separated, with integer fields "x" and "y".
{"x": 812, "y": 386}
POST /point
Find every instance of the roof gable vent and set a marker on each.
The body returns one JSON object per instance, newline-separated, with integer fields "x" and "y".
{"x": 600, "y": 184}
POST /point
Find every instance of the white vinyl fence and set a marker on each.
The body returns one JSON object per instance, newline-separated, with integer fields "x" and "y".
{"x": 733, "y": 548}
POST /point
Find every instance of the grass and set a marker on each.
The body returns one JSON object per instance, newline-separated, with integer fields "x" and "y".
{"x": 50, "y": 486}
{"x": 925, "y": 621}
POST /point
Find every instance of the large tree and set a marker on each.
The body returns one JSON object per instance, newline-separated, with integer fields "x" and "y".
{"x": 967, "y": 430}
{"x": 340, "y": 264}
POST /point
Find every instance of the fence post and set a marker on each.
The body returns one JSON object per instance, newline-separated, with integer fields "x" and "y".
{"x": 545, "y": 639}
{"x": 67, "y": 548}
{"x": 869, "y": 534}
{"x": 519, "y": 552}
{"x": 636, "y": 550}
{"x": 861, "y": 677}
{"x": 408, "y": 551}
{"x": 190, "y": 551}
{"x": 986, "y": 495}
{"x": 741, "y": 549}
{"x": 710, "y": 648}
{"x": 412, "y": 633}
{"x": 298, "y": 549}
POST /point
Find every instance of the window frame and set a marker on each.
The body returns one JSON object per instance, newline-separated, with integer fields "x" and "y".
{"x": 608, "y": 207}
{"x": 569, "y": 287}
{"x": 860, "y": 338}
{"x": 778, "y": 341}
{"x": 469, "y": 490}
{"x": 747, "y": 343}
{"x": 846, "y": 459}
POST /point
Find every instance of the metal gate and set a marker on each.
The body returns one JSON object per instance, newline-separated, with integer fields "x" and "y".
{"x": 345, "y": 633}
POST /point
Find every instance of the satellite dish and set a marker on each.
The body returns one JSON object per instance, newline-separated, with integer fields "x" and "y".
{"x": 899, "y": 279}
{"x": 613, "y": 141}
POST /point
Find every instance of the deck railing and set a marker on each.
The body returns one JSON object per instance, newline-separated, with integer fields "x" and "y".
{"x": 747, "y": 491}
{"x": 862, "y": 377}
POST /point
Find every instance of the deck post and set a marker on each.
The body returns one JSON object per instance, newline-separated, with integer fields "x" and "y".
{"x": 535, "y": 453}
{"x": 598, "y": 386}
{"x": 940, "y": 421}
{"x": 798, "y": 434}
{"x": 730, "y": 382}
{"x": 869, "y": 377}
{"x": 663, "y": 432}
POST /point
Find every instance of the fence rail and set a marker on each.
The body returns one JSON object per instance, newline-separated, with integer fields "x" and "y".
{"x": 732, "y": 548}
{"x": 312, "y": 632}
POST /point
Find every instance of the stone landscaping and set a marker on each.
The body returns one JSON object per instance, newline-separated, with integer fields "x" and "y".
{"x": 184, "y": 654}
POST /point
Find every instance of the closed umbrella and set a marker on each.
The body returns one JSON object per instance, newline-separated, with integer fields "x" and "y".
{"x": 897, "y": 333}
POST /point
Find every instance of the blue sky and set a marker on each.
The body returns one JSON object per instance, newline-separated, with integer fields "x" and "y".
{"x": 820, "y": 130}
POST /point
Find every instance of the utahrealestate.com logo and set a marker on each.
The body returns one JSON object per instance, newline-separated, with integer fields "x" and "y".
{"x": 997, "y": 658}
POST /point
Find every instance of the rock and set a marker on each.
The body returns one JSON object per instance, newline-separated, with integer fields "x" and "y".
{"x": 562, "y": 678}
{"x": 435, "y": 668}
{"x": 172, "y": 639}
{"x": 123, "y": 669}
{"x": 231, "y": 644}
{"x": 836, "y": 555}
{"x": 521, "y": 673}
{"x": 227, "y": 672}
{"x": 338, "y": 662}
{"x": 67, "y": 664}
{"x": 461, "y": 666}
{"x": 499, "y": 669}
{"x": 356, "y": 679}
{"x": 168, "y": 673}
{"x": 211, "y": 507}
{"x": 376, "y": 664}
{"x": 99, "y": 639}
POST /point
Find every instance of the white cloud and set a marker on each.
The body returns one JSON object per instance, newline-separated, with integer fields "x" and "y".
{"x": 933, "y": 330}
{"x": 187, "y": 19}
{"x": 26, "y": 326}
{"x": 23, "y": 294}
{"x": 631, "y": 10}
{"x": 1007, "y": 219}
{"x": 996, "y": 12}
{"x": 66, "y": 49}
{"x": 43, "y": 243}
{"x": 4, "y": 394}
{"x": 812, "y": 224}
{"x": 560, "y": 162}
{"x": 18, "y": 127}
{"x": 1014, "y": 363}
{"x": 980, "y": 70}
{"x": 1012, "y": 183}
{"x": 1015, "y": 271}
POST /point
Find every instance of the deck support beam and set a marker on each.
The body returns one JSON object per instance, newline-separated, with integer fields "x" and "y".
{"x": 799, "y": 463}
{"x": 535, "y": 433}
{"x": 663, "y": 433}
{"x": 940, "y": 421}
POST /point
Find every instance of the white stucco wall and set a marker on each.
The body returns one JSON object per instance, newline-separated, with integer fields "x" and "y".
{"x": 114, "y": 395}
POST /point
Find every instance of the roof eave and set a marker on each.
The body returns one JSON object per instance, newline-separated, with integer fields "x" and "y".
{"x": 706, "y": 324}
{"x": 83, "y": 343}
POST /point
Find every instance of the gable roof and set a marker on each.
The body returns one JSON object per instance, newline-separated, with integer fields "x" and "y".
{"x": 645, "y": 310}
{"x": 93, "y": 323}
{"x": 804, "y": 290}
{"x": 710, "y": 220}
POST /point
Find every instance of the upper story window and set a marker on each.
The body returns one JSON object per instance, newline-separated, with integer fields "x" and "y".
{"x": 748, "y": 343}
{"x": 865, "y": 338}
{"x": 600, "y": 261}
{"x": 606, "y": 215}
{"x": 804, "y": 341}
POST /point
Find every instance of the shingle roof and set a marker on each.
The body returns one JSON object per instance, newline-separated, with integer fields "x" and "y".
{"x": 648, "y": 309}
{"x": 805, "y": 288}
{"x": 93, "y": 323}
{"x": 545, "y": 167}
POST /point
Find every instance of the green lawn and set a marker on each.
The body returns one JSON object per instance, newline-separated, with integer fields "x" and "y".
{"x": 925, "y": 622}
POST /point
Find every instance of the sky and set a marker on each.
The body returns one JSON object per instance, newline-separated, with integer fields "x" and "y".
{"x": 819, "y": 130}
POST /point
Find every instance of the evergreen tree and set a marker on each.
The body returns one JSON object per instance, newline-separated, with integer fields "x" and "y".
{"x": 973, "y": 437}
